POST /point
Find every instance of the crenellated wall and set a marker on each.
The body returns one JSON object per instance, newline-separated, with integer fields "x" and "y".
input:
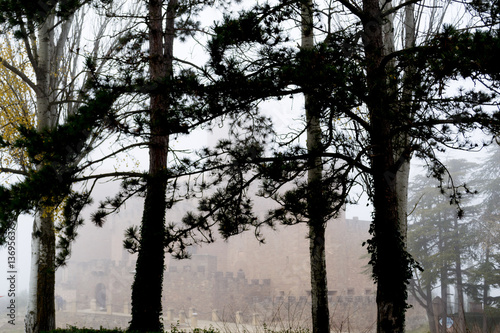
{"x": 240, "y": 275}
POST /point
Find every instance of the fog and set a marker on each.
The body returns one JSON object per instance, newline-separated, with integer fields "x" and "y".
{"x": 228, "y": 282}
{"x": 238, "y": 282}
{"x": 258, "y": 276}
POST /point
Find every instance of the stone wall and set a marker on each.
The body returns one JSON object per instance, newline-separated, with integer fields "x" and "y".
{"x": 196, "y": 283}
{"x": 243, "y": 275}
{"x": 91, "y": 320}
{"x": 284, "y": 258}
{"x": 98, "y": 285}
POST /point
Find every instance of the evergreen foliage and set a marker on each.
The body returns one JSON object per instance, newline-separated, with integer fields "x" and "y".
{"x": 50, "y": 185}
{"x": 25, "y": 15}
{"x": 361, "y": 119}
{"x": 358, "y": 94}
{"x": 439, "y": 241}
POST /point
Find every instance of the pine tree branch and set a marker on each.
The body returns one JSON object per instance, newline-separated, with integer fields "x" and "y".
{"x": 358, "y": 119}
{"x": 353, "y": 8}
{"x": 111, "y": 175}
{"x": 351, "y": 161}
{"x": 191, "y": 64}
{"x": 398, "y": 7}
{"x": 13, "y": 171}
{"x": 116, "y": 152}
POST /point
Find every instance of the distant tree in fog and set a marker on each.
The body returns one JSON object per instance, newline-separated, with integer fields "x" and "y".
{"x": 484, "y": 274}
{"x": 442, "y": 242}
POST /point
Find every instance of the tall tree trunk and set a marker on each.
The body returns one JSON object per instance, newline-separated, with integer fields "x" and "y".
{"x": 444, "y": 300}
{"x": 401, "y": 141}
{"x": 40, "y": 314}
{"x": 402, "y": 155}
{"x": 389, "y": 257}
{"x": 429, "y": 309}
{"x": 486, "y": 288}
{"x": 41, "y": 308}
{"x": 46, "y": 274}
{"x": 316, "y": 209}
{"x": 444, "y": 285}
{"x": 319, "y": 286}
{"x": 30, "y": 321}
{"x": 390, "y": 264}
{"x": 460, "y": 324}
{"x": 147, "y": 286}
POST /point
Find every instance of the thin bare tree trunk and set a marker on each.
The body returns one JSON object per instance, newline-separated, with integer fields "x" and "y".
{"x": 430, "y": 310}
{"x": 402, "y": 140}
{"x": 460, "y": 325}
{"x": 444, "y": 285}
{"x": 486, "y": 288}
{"x": 50, "y": 59}
{"x": 403, "y": 174}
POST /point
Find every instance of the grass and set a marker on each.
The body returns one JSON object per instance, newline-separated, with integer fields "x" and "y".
{"x": 421, "y": 329}
{"x": 173, "y": 329}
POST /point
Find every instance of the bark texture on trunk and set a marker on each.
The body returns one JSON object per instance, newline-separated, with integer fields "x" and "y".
{"x": 148, "y": 282}
{"x": 401, "y": 140}
{"x": 403, "y": 156}
{"x": 40, "y": 315}
{"x": 319, "y": 287}
{"x": 30, "y": 321}
{"x": 389, "y": 258}
{"x": 316, "y": 205}
{"x": 46, "y": 275}
{"x": 147, "y": 286}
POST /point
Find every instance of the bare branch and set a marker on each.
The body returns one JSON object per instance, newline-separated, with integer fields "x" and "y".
{"x": 14, "y": 171}
{"x": 20, "y": 74}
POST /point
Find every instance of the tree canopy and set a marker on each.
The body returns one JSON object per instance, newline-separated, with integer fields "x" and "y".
{"x": 370, "y": 105}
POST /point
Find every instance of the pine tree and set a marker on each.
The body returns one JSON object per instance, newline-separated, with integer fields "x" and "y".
{"x": 177, "y": 104}
{"x": 44, "y": 30}
{"x": 439, "y": 241}
{"x": 147, "y": 287}
{"x": 483, "y": 277}
{"x": 370, "y": 127}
